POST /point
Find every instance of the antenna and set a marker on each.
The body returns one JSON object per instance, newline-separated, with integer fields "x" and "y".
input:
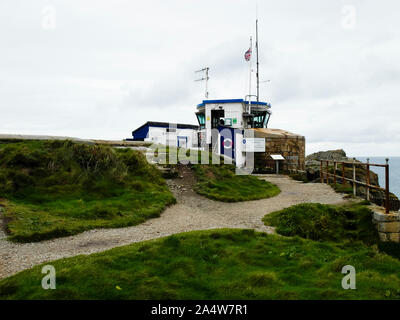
{"x": 205, "y": 78}
{"x": 265, "y": 81}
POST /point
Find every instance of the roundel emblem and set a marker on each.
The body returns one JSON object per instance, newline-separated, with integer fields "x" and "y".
{"x": 227, "y": 143}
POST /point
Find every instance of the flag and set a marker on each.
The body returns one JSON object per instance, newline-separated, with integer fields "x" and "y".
{"x": 247, "y": 55}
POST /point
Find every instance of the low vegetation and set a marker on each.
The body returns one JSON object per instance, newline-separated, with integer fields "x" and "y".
{"x": 219, "y": 182}
{"x": 324, "y": 222}
{"x": 216, "y": 264}
{"x": 58, "y": 188}
{"x": 299, "y": 176}
{"x": 215, "y": 179}
{"x": 352, "y": 222}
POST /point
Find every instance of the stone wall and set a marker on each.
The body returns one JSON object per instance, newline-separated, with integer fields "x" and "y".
{"x": 388, "y": 225}
{"x": 291, "y": 146}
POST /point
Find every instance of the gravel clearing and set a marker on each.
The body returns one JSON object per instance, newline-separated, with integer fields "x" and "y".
{"x": 192, "y": 212}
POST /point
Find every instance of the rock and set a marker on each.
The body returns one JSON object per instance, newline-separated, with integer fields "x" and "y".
{"x": 389, "y": 227}
{"x": 327, "y": 155}
{"x": 394, "y": 237}
{"x": 312, "y": 163}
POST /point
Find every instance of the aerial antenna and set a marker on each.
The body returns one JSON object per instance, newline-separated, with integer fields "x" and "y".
{"x": 204, "y": 78}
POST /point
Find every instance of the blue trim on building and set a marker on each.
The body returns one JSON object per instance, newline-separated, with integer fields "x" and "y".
{"x": 232, "y": 101}
{"x": 141, "y": 133}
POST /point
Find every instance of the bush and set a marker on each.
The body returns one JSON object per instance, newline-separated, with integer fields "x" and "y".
{"x": 390, "y": 248}
{"x": 219, "y": 182}
{"x": 325, "y": 222}
{"x": 57, "y": 188}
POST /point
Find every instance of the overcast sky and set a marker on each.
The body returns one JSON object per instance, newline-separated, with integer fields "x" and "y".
{"x": 99, "y": 69}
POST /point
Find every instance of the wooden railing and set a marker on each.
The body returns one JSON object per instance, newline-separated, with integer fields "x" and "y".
{"x": 353, "y": 180}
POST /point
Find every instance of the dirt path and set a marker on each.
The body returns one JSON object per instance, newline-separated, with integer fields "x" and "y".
{"x": 192, "y": 212}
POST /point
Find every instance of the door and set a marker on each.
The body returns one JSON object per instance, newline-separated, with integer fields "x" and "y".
{"x": 182, "y": 142}
{"x": 227, "y": 141}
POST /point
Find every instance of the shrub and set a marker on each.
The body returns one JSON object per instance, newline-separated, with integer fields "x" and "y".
{"x": 219, "y": 182}
{"x": 58, "y": 188}
{"x": 325, "y": 222}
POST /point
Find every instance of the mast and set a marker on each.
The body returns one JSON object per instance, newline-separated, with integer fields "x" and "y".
{"x": 257, "y": 72}
{"x": 251, "y": 53}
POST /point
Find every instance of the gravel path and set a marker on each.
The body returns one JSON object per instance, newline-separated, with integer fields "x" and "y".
{"x": 192, "y": 212}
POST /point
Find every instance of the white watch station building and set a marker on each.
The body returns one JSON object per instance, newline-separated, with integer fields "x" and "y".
{"x": 230, "y": 128}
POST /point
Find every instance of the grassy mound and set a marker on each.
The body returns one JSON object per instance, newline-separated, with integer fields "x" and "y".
{"x": 219, "y": 182}
{"x": 325, "y": 222}
{"x": 59, "y": 188}
{"x": 216, "y": 264}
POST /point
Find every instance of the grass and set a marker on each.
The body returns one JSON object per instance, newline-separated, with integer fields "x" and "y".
{"x": 317, "y": 221}
{"x": 340, "y": 188}
{"x": 298, "y": 176}
{"x": 321, "y": 222}
{"x": 215, "y": 179}
{"x": 216, "y": 264}
{"x": 219, "y": 182}
{"x": 59, "y": 188}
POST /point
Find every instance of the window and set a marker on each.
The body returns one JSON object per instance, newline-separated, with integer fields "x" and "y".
{"x": 266, "y": 119}
{"x": 259, "y": 118}
{"x": 216, "y": 117}
{"x": 201, "y": 118}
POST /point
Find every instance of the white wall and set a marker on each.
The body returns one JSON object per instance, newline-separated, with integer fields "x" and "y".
{"x": 232, "y": 110}
{"x": 160, "y": 135}
{"x": 240, "y": 155}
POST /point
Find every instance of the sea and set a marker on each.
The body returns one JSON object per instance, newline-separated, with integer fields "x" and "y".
{"x": 394, "y": 172}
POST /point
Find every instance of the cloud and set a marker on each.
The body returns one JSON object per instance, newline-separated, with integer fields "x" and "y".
{"x": 107, "y": 67}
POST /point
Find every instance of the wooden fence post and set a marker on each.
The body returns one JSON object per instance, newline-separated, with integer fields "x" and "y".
{"x": 320, "y": 172}
{"x": 354, "y": 177}
{"x": 327, "y": 171}
{"x": 387, "y": 204}
{"x": 343, "y": 180}
{"x": 334, "y": 172}
{"x": 367, "y": 179}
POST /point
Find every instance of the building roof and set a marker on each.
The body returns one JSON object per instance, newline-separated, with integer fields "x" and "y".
{"x": 275, "y": 133}
{"x": 233, "y": 101}
{"x": 170, "y": 124}
{"x": 142, "y": 131}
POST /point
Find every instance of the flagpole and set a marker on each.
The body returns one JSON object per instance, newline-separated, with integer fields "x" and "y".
{"x": 251, "y": 53}
{"x": 257, "y": 74}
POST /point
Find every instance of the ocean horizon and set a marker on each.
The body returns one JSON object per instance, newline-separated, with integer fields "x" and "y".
{"x": 394, "y": 172}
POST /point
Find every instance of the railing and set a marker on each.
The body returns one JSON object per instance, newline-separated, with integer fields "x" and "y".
{"x": 354, "y": 180}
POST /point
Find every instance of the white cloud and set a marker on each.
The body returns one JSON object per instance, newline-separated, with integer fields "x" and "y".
{"x": 108, "y": 67}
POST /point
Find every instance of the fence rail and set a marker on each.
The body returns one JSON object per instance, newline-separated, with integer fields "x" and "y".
{"x": 353, "y": 180}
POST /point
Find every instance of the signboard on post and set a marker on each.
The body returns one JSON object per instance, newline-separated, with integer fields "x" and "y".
{"x": 254, "y": 144}
{"x": 277, "y": 158}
